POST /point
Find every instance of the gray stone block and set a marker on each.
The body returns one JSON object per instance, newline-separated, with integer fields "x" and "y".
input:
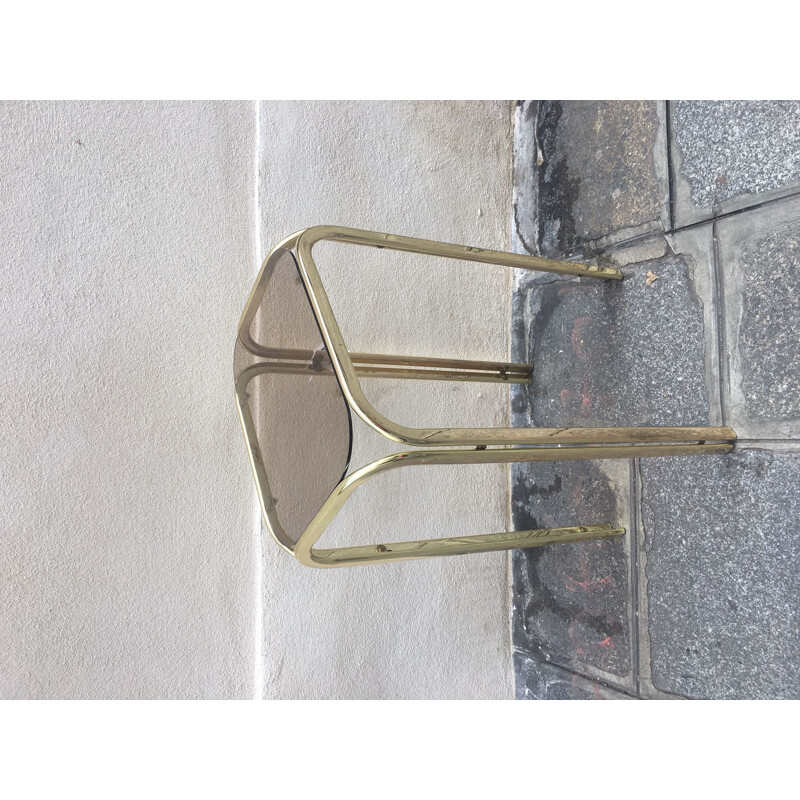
{"x": 729, "y": 154}
{"x": 535, "y": 680}
{"x": 760, "y": 264}
{"x": 622, "y": 353}
{"x": 572, "y": 602}
{"x": 721, "y": 537}
{"x": 603, "y": 173}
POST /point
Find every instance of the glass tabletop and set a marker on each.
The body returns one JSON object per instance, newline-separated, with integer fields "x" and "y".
{"x": 300, "y": 416}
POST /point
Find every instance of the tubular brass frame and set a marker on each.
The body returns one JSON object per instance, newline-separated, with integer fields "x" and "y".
{"x": 507, "y": 444}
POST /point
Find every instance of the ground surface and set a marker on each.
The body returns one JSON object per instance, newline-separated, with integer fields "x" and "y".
{"x": 700, "y": 598}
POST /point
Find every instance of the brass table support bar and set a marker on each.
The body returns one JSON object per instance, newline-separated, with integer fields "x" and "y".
{"x": 456, "y": 546}
{"x": 440, "y": 375}
{"x": 456, "y": 437}
{"x": 366, "y": 359}
{"x": 303, "y": 367}
{"x": 378, "y": 365}
{"x": 408, "y": 244}
{"x": 447, "y": 363}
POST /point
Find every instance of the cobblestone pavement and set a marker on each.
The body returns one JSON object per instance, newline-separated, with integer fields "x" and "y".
{"x": 698, "y": 203}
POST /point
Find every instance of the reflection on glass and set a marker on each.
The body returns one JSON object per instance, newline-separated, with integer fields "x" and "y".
{"x": 300, "y": 416}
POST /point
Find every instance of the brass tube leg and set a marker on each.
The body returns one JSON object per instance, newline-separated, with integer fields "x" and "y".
{"x": 369, "y": 365}
{"x": 435, "y": 374}
{"x": 403, "y": 551}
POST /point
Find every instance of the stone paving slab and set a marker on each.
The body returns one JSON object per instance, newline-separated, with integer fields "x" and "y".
{"x": 587, "y": 147}
{"x": 572, "y": 602}
{"x": 729, "y": 154}
{"x": 622, "y": 353}
{"x": 722, "y": 547}
{"x": 540, "y": 681}
{"x": 711, "y": 338}
{"x": 759, "y": 255}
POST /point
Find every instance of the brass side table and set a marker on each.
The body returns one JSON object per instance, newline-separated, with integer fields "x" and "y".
{"x": 296, "y": 384}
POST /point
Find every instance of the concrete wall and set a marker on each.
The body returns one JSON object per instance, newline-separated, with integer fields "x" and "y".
{"x": 441, "y": 171}
{"x": 133, "y": 562}
{"x": 127, "y": 558}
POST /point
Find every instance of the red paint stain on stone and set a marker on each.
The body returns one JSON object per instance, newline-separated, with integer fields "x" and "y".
{"x": 577, "y": 337}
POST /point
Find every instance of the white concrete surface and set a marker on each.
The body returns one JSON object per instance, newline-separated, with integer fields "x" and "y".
{"x": 427, "y": 629}
{"x": 131, "y": 560}
{"x": 127, "y": 552}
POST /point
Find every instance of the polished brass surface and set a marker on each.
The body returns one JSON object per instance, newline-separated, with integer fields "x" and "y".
{"x": 403, "y": 551}
{"x": 492, "y": 445}
{"x": 444, "y": 369}
{"x": 440, "y": 375}
{"x": 447, "y": 363}
{"x": 298, "y": 364}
